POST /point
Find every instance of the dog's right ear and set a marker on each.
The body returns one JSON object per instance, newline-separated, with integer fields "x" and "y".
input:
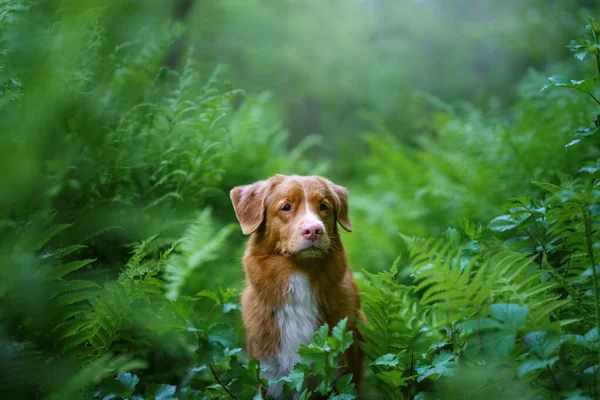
{"x": 249, "y": 205}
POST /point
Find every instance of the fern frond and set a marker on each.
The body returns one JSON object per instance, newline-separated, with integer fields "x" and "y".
{"x": 201, "y": 245}
{"x": 394, "y": 314}
{"x": 461, "y": 288}
{"x": 94, "y": 372}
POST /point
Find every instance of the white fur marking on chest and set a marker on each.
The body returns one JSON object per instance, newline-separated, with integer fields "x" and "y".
{"x": 297, "y": 319}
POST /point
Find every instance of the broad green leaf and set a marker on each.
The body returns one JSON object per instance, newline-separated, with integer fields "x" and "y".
{"x": 481, "y": 324}
{"x": 535, "y": 364}
{"x": 542, "y": 343}
{"x": 223, "y": 334}
{"x": 511, "y": 315}
{"x": 500, "y": 343}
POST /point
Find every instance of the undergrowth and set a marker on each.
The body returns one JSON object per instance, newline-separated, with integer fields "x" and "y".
{"x": 120, "y": 270}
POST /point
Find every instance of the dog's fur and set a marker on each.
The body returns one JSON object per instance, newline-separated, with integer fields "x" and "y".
{"x": 297, "y": 275}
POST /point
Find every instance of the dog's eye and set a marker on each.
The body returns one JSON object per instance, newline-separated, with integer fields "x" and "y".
{"x": 287, "y": 207}
{"x": 324, "y": 207}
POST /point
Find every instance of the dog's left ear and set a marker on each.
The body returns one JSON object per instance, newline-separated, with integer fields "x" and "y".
{"x": 249, "y": 205}
{"x": 340, "y": 196}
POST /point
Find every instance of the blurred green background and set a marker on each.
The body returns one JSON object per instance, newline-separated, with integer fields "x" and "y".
{"x": 129, "y": 119}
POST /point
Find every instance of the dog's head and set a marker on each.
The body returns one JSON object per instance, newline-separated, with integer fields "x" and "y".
{"x": 297, "y": 215}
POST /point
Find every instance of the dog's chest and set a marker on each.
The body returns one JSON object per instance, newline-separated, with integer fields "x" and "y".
{"x": 297, "y": 318}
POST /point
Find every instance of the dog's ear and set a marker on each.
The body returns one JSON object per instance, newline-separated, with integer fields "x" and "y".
{"x": 340, "y": 196}
{"x": 249, "y": 205}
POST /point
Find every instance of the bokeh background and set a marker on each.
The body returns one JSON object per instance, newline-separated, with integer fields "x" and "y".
{"x": 124, "y": 121}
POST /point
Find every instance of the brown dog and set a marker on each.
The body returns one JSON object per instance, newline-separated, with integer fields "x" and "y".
{"x": 296, "y": 269}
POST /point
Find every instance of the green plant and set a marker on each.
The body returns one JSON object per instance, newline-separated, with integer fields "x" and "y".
{"x": 508, "y": 308}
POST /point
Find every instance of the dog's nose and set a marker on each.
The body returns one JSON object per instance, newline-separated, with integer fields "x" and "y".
{"x": 312, "y": 231}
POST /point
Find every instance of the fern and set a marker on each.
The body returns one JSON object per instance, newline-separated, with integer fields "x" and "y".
{"x": 94, "y": 372}
{"x": 97, "y": 317}
{"x": 199, "y": 247}
{"x": 462, "y": 287}
{"x": 458, "y": 289}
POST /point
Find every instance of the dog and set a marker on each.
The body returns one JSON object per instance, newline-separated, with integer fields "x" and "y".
{"x": 297, "y": 274}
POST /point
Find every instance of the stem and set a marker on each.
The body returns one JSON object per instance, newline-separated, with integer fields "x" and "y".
{"x": 594, "y": 97}
{"x": 595, "y": 385}
{"x": 590, "y": 250}
{"x": 221, "y": 383}
{"x": 412, "y": 361}
{"x": 479, "y": 341}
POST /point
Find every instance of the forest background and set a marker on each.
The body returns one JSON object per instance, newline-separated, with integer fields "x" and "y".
{"x": 124, "y": 124}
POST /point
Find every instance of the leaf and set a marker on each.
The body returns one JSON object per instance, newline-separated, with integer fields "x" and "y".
{"x": 394, "y": 378}
{"x": 62, "y": 270}
{"x": 62, "y": 287}
{"x": 592, "y": 335}
{"x": 165, "y": 392}
{"x": 535, "y": 364}
{"x": 320, "y": 337}
{"x": 342, "y": 338}
{"x": 344, "y": 396}
{"x": 442, "y": 364}
{"x": 542, "y": 343}
{"x": 62, "y": 252}
{"x": 585, "y": 85}
{"x": 390, "y": 360}
{"x": 228, "y": 307}
{"x": 573, "y": 142}
{"x": 479, "y": 324}
{"x": 498, "y": 344}
{"x": 128, "y": 380}
{"x": 511, "y": 315}
{"x": 503, "y": 223}
{"x": 50, "y": 234}
{"x": 223, "y": 334}
{"x": 548, "y": 187}
{"x": 210, "y": 294}
{"x": 590, "y": 272}
{"x": 295, "y": 379}
{"x": 345, "y": 385}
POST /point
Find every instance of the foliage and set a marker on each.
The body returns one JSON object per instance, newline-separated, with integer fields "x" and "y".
{"x": 121, "y": 138}
{"x": 321, "y": 365}
{"x": 514, "y": 303}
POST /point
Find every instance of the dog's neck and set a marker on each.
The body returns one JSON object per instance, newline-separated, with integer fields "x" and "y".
{"x": 269, "y": 270}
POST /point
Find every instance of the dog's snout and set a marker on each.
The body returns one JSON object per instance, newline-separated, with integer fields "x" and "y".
{"x": 312, "y": 231}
